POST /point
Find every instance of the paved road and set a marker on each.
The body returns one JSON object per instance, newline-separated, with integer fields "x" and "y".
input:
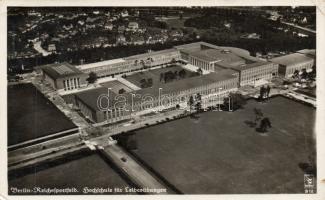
{"x": 131, "y": 168}
{"x": 300, "y": 27}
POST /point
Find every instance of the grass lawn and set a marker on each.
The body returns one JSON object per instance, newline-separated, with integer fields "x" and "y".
{"x": 155, "y": 75}
{"x": 219, "y": 153}
{"x": 90, "y": 171}
{"x": 31, "y": 115}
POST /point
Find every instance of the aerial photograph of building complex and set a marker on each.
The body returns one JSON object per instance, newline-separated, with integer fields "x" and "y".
{"x": 161, "y": 100}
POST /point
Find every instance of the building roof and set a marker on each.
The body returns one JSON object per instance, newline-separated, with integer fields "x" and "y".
{"x": 188, "y": 83}
{"x": 152, "y": 53}
{"x": 244, "y": 66}
{"x": 197, "y": 46}
{"x": 308, "y": 52}
{"x": 90, "y": 97}
{"x": 291, "y": 59}
{"x": 133, "y": 24}
{"x": 60, "y": 70}
{"x": 100, "y": 64}
{"x": 217, "y": 55}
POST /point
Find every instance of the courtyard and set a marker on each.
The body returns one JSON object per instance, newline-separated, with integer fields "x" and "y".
{"x": 156, "y": 73}
{"x": 221, "y": 153}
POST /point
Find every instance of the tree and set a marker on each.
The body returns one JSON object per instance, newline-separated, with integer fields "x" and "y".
{"x": 92, "y": 77}
{"x": 176, "y": 74}
{"x": 143, "y": 83}
{"x": 268, "y": 90}
{"x": 313, "y": 72}
{"x": 143, "y": 63}
{"x": 234, "y": 101}
{"x": 258, "y": 115}
{"x": 262, "y": 92}
{"x": 191, "y": 102}
{"x": 265, "y": 123}
{"x": 169, "y": 76}
{"x": 295, "y": 74}
{"x": 182, "y": 73}
{"x": 121, "y": 91}
{"x": 198, "y": 104}
{"x": 199, "y": 71}
{"x": 162, "y": 76}
{"x": 304, "y": 74}
{"x": 136, "y": 62}
{"x": 149, "y": 82}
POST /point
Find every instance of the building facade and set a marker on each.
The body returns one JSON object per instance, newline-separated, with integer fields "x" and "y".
{"x": 132, "y": 63}
{"x": 63, "y": 76}
{"x": 288, "y": 64}
{"x": 257, "y": 73}
{"x": 212, "y": 87}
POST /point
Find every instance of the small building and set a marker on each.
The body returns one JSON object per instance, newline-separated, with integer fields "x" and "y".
{"x": 51, "y": 48}
{"x": 108, "y": 26}
{"x": 133, "y": 26}
{"x": 288, "y": 64}
{"x": 63, "y": 76}
{"x": 120, "y": 39}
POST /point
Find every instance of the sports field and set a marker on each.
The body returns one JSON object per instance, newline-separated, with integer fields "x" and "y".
{"x": 90, "y": 171}
{"x": 31, "y": 115}
{"x": 220, "y": 153}
{"x": 155, "y": 75}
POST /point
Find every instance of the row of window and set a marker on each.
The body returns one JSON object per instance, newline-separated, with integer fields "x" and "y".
{"x": 177, "y": 97}
{"x": 118, "y": 68}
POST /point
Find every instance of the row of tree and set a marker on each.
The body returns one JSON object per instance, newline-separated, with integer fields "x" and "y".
{"x": 303, "y": 74}
{"x": 264, "y": 92}
{"x": 170, "y": 75}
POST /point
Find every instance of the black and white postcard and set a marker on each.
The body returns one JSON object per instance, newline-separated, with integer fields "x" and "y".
{"x": 167, "y": 99}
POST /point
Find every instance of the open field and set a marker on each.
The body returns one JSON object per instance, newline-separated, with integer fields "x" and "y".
{"x": 89, "y": 171}
{"x": 155, "y": 75}
{"x": 31, "y": 115}
{"x": 220, "y": 153}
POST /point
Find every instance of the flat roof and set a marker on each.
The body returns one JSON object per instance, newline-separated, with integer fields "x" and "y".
{"x": 90, "y": 97}
{"x": 199, "y": 46}
{"x": 100, "y": 64}
{"x": 310, "y": 52}
{"x": 60, "y": 70}
{"x": 212, "y": 55}
{"x": 245, "y": 66}
{"x": 192, "y": 82}
{"x": 152, "y": 53}
{"x": 291, "y": 59}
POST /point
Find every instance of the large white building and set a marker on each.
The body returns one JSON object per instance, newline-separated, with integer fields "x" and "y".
{"x": 288, "y": 64}
{"x": 131, "y": 63}
{"x": 252, "y": 71}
